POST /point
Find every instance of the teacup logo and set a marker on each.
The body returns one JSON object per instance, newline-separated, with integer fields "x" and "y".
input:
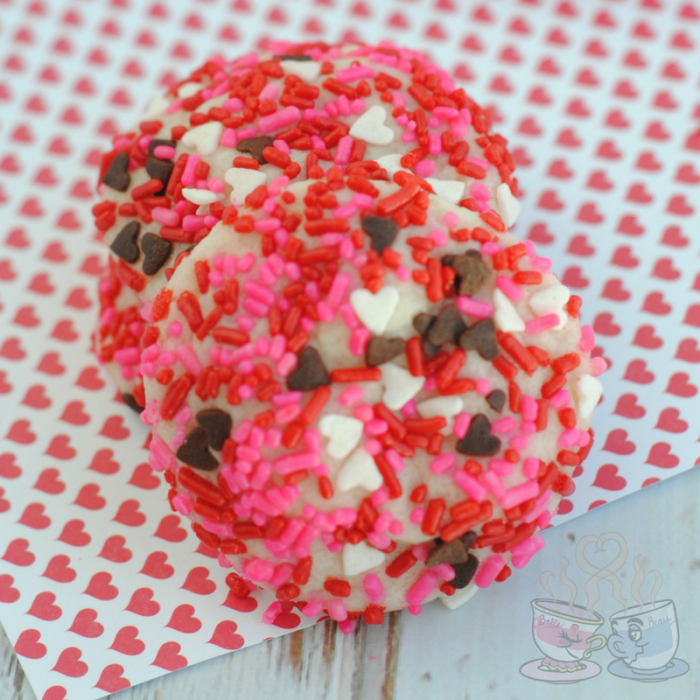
{"x": 644, "y": 637}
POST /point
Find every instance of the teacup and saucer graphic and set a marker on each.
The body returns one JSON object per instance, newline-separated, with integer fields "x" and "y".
{"x": 565, "y": 634}
{"x": 645, "y": 639}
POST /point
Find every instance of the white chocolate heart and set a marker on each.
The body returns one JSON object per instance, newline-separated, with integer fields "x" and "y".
{"x": 391, "y": 163}
{"x": 375, "y": 310}
{"x": 196, "y": 196}
{"x": 308, "y": 71}
{"x": 205, "y": 137}
{"x": 508, "y": 205}
{"x": 243, "y": 181}
{"x": 506, "y": 317}
{"x": 343, "y": 434}
{"x": 447, "y": 406}
{"x": 359, "y": 470}
{"x": 589, "y": 392}
{"x": 451, "y": 190}
{"x": 370, "y": 127}
{"x": 551, "y": 301}
{"x": 188, "y": 89}
{"x": 360, "y": 557}
{"x": 400, "y": 386}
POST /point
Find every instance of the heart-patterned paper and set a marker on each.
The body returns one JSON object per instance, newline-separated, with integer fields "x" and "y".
{"x": 101, "y": 585}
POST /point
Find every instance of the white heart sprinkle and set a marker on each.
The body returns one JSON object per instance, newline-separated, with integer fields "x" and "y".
{"x": 551, "y": 301}
{"x": 589, "y": 392}
{"x": 391, "y": 163}
{"x": 343, "y": 434}
{"x": 192, "y": 194}
{"x": 189, "y": 89}
{"x": 447, "y": 406}
{"x": 359, "y": 470}
{"x": 508, "y": 205}
{"x": 243, "y": 181}
{"x": 400, "y": 386}
{"x": 360, "y": 557}
{"x": 451, "y": 190}
{"x": 375, "y": 310}
{"x": 506, "y": 317}
{"x": 308, "y": 71}
{"x": 370, "y": 127}
{"x": 459, "y": 597}
{"x": 155, "y": 108}
{"x": 205, "y": 137}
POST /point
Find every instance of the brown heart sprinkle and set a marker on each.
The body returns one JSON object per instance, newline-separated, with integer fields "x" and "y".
{"x": 117, "y": 174}
{"x": 255, "y": 145}
{"x": 217, "y": 425}
{"x": 293, "y": 57}
{"x": 471, "y": 271}
{"x": 422, "y": 323}
{"x": 124, "y": 245}
{"x": 447, "y": 328}
{"x": 479, "y": 442}
{"x": 131, "y": 402}
{"x": 381, "y": 230}
{"x": 310, "y": 373}
{"x": 195, "y": 451}
{"x": 381, "y": 350}
{"x": 154, "y": 143}
{"x": 496, "y": 399}
{"x": 156, "y": 251}
{"x": 464, "y": 572}
{"x": 159, "y": 170}
{"x": 448, "y": 553}
{"x": 481, "y": 337}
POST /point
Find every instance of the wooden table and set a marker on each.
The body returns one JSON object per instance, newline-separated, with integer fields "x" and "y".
{"x": 475, "y": 652}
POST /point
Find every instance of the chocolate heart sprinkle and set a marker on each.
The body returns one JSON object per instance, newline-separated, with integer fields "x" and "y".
{"x": 447, "y": 328}
{"x": 159, "y": 170}
{"x": 422, "y": 323}
{"x": 464, "y": 573}
{"x": 117, "y": 174}
{"x": 481, "y": 337}
{"x": 255, "y": 145}
{"x": 195, "y": 451}
{"x": 217, "y": 425}
{"x": 131, "y": 402}
{"x": 310, "y": 373}
{"x": 471, "y": 271}
{"x": 124, "y": 245}
{"x": 293, "y": 57}
{"x": 381, "y": 350}
{"x": 381, "y": 230}
{"x": 496, "y": 399}
{"x": 156, "y": 251}
{"x": 479, "y": 441}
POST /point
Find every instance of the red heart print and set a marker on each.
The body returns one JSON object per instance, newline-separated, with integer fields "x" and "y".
{"x": 287, "y": 620}
{"x": 247, "y": 604}
{"x": 68, "y": 221}
{"x": 679, "y": 206}
{"x": 41, "y": 284}
{"x": 26, "y": 317}
{"x": 688, "y": 350}
{"x": 599, "y": 181}
{"x": 69, "y": 663}
{"x": 207, "y": 551}
{"x": 225, "y": 636}
{"x": 129, "y": 514}
{"x": 673, "y": 237}
{"x": 169, "y": 529}
{"x": 7, "y": 273}
{"x": 31, "y": 207}
{"x": 8, "y": 468}
{"x": 169, "y": 658}
{"x": 590, "y": 214}
{"x": 103, "y": 463}
{"x": 686, "y": 173}
{"x": 74, "y": 414}
{"x": 628, "y": 407}
{"x": 49, "y": 364}
{"x": 616, "y": 119}
{"x": 651, "y": 480}
{"x": 60, "y": 448}
{"x": 539, "y": 234}
{"x": 670, "y": 421}
{"x": 126, "y": 641}
{"x": 8, "y": 593}
{"x": 183, "y": 620}
{"x": 58, "y": 570}
{"x": 622, "y": 257}
{"x": 630, "y": 226}
{"x": 36, "y": 397}
{"x": 565, "y": 506}
{"x": 692, "y": 315}
{"x": 604, "y": 325}
{"x": 664, "y": 269}
{"x": 48, "y": 481}
{"x": 197, "y": 581}
{"x": 618, "y": 443}
{"x": 560, "y": 169}
{"x": 142, "y": 603}
{"x": 43, "y": 607}
{"x": 660, "y": 455}
{"x": 54, "y": 251}
{"x": 5, "y": 505}
{"x": 573, "y": 278}
{"x": 5, "y": 386}
{"x": 100, "y": 587}
{"x": 156, "y": 566}
{"x": 33, "y": 516}
{"x": 74, "y": 533}
{"x": 637, "y": 372}
{"x": 112, "y": 679}
{"x": 579, "y": 245}
{"x": 655, "y": 304}
{"x": 529, "y": 127}
{"x": 79, "y": 299}
{"x": 20, "y": 432}
{"x": 29, "y": 646}
{"x": 11, "y": 349}
{"x": 607, "y": 478}
{"x": 657, "y": 132}
{"x": 114, "y": 550}
{"x": 645, "y": 337}
{"x": 550, "y": 200}
{"x": 679, "y": 385}
{"x": 638, "y": 193}
{"x": 145, "y": 478}
{"x": 88, "y": 497}
{"x": 18, "y": 553}
{"x": 114, "y": 428}
{"x": 65, "y": 331}
{"x": 90, "y": 379}
{"x": 608, "y": 150}
{"x": 647, "y": 161}
{"x": 615, "y": 290}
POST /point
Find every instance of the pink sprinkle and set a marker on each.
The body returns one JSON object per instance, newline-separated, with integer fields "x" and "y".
{"x": 541, "y": 323}
{"x": 262, "y": 473}
{"x": 493, "y": 483}
{"x": 296, "y": 462}
{"x": 374, "y": 427}
{"x": 531, "y": 467}
{"x": 409, "y": 408}
{"x": 358, "y": 341}
{"x": 424, "y": 168}
{"x": 470, "y": 485}
{"x": 338, "y": 289}
{"x": 287, "y": 414}
{"x": 519, "y": 494}
{"x": 233, "y": 104}
{"x": 529, "y": 407}
{"x": 434, "y": 144}
{"x": 519, "y": 442}
{"x": 351, "y": 395}
{"x": 569, "y": 437}
{"x": 348, "y": 314}
{"x": 420, "y": 590}
{"x": 165, "y": 216}
{"x": 489, "y": 569}
{"x": 587, "y": 339}
{"x": 189, "y": 358}
{"x": 259, "y": 569}
{"x": 417, "y": 515}
{"x": 560, "y": 399}
{"x": 286, "y": 398}
{"x": 403, "y": 273}
{"x": 502, "y": 467}
{"x": 192, "y": 222}
{"x": 483, "y": 387}
{"x": 373, "y": 588}
{"x": 481, "y": 163}
{"x": 187, "y": 178}
{"x": 543, "y": 520}
{"x": 509, "y": 288}
{"x": 312, "y": 609}
{"x": 362, "y": 201}
{"x": 438, "y": 237}
{"x": 451, "y": 219}
{"x": 183, "y": 503}
{"x": 346, "y": 626}
{"x": 342, "y": 153}
{"x": 286, "y": 364}
{"x": 221, "y": 529}
{"x": 598, "y": 366}
{"x": 583, "y": 438}
{"x": 347, "y": 75}
{"x": 442, "y": 463}
{"x": 540, "y": 505}
{"x": 363, "y": 412}
{"x": 164, "y": 152}
{"x": 373, "y": 447}
{"x": 461, "y": 424}
{"x": 395, "y": 460}
{"x": 312, "y": 438}
{"x": 479, "y": 192}
{"x": 472, "y": 307}
{"x": 521, "y": 559}
{"x": 229, "y": 138}
{"x": 444, "y": 571}
{"x": 503, "y": 425}
{"x": 273, "y": 438}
